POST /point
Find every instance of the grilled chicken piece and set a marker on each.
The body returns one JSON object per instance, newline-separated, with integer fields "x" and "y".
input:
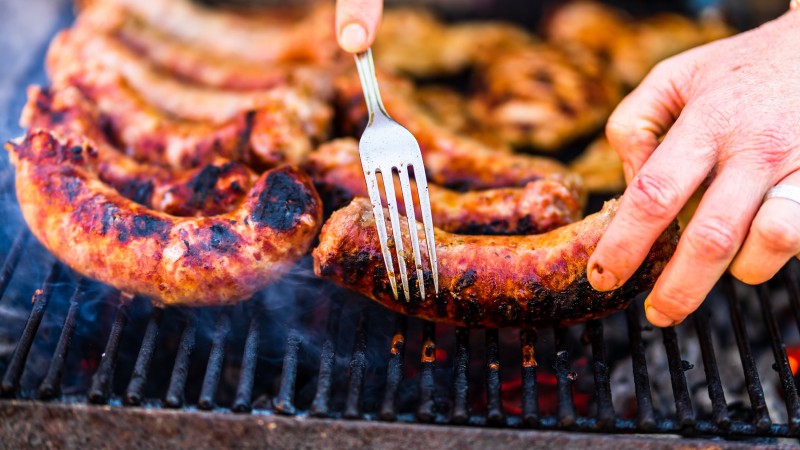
{"x": 416, "y": 43}
{"x": 630, "y": 47}
{"x": 488, "y": 281}
{"x": 173, "y": 260}
{"x": 539, "y": 206}
{"x": 537, "y": 97}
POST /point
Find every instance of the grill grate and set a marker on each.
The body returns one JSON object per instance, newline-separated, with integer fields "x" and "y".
{"x": 321, "y": 389}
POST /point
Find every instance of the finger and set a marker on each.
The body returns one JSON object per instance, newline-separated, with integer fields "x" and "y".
{"x": 357, "y": 23}
{"x": 774, "y": 238}
{"x": 708, "y": 244}
{"x": 645, "y": 115}
{"x": 652, "y": 200}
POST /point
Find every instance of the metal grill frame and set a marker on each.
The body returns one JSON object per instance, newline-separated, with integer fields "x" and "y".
{"x": 605, "y": 420}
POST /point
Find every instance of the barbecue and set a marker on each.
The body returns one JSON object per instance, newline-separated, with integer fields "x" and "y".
{"x": 305, "y": 363}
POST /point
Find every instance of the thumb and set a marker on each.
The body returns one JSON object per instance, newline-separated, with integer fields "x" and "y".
{"x": 357, "y": 23}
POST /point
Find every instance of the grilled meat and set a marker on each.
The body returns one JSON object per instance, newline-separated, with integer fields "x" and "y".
{"x": 488, "y": 281}
{"x": 537, "y": 97}
{"x": 264, "y": 130}
{"x": 199, "y": 66}
{"x": 414, "y": 42}
{"x": 301, "y": 35}
{"x": 539, "y": 206}
{"x": 452, "y": 160}
{"x": 214, "y": 188}
{"x": 173, "y": 260}
{"x": 630, "y": 48}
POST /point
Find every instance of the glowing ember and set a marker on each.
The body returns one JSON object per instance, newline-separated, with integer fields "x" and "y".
{"x": 793, "y": 354}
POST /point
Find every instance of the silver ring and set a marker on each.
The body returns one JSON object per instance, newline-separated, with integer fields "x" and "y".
{"x": 785, "y": 191}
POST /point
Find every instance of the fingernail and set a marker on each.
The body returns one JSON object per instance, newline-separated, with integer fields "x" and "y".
{"x": 656, "y": 317}
{"x": 353, "y": 37}
{"x": 601, "y": 279}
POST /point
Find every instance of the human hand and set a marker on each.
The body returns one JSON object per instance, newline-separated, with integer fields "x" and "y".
{"x": 357, "y": 23}
{"x": 729, "y": 112}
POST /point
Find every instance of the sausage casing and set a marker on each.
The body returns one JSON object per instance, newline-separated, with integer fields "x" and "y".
{"x": 488, "y": 281}
{"x": 173, "y": 260}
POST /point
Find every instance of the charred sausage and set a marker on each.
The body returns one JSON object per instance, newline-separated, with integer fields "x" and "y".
{"x": 173, "y": 260}
{"x": 488, "y": 281}
{"x": 214, "y": 188}
{"x": 264, "y": 132}
{"x": 539, "y": 206}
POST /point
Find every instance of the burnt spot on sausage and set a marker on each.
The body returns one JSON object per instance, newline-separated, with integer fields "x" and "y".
{"x": 108, "y": 217}
{"x": 223, "y": 239}
{"x": 470, "y": 311}
{"x": 203, "y": 184}
{"x": 466, "y": 280}
{"x": 139, "y": 191}
{"x": 71, "y": 187}
{"x": 282, "y": 202}
{"x": 354, "y": 266}
{"x": 145, "y": 225}
{"x": 505, "y": 311}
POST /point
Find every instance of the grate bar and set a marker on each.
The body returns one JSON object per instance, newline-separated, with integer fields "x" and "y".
{"x": 565, "y": 406}
{"x": 12, "y": 259}
{"x": 394, "y": 369}
{"x": 101, "y": 381}
{"x": 791, "y": 282}
{"x": 320, "y": 406}
{"x": 284, "y": 402}
{"x": 461, "y": 378}
{"x": 494, "y": 388}
{"x": 719, "y": 408}
{"x": 40, "y": 299}
{"x": 641, "y": 379}
{"x": 751, "y": 377}
{"x": 358, "y": 365}
{"x": 216, "y": 358}
{"x": 426, "y": 411}
{"x": 177, "y": 381}
{"x": 530, "y": 388}
{"x": 135, "y": 391}
{"x": 605, "y": 406}
{"x": 51, "y": 385}
{"x": 781, "y": 360}
{"x": 244, "y": 390}
{"x": 677, "y": 374}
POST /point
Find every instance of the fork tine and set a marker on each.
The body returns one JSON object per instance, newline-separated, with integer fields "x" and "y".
{"x": 394, "y": 216}
{"x": 427, "y": 220}
{"x": 405, "y": 185}
{"x": 377, "y": 211}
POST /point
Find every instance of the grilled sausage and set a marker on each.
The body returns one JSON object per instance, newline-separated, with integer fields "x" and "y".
{"x": 456, "y": 161}
{"x": 266, "y": 38}
{"x": 173, "y": 260}
{"x": 488, "y": 281}
{"x": 539, "y": 206}
{"x": 214, "y": 188}
{"x": 197, "y": 65}
{"x": 262, "y": 131}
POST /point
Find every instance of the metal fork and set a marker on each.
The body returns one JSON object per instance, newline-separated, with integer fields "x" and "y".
{"x": 386, "y": 147}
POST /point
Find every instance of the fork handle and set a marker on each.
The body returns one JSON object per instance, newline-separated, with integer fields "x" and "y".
{"x": 369, "y": 83}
